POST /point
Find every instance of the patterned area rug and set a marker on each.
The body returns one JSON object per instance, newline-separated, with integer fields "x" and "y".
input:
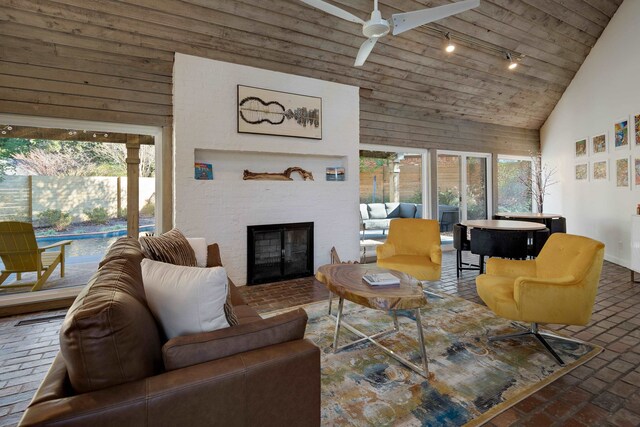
{"x": 471, "y": 380}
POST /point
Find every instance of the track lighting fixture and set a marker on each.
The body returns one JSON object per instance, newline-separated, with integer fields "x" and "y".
{"x": 512, "y": 64}
{"x": 449, "y": 46}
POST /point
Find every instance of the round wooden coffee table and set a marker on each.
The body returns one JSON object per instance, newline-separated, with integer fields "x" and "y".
{"x": 345, "y": 280}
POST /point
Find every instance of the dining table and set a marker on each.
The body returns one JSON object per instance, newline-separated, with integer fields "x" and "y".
{"x": 502, "y": 238}
{"x": 554, "y": 222}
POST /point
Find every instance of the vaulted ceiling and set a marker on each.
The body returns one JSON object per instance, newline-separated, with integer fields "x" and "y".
{"x": 112, "y": 60}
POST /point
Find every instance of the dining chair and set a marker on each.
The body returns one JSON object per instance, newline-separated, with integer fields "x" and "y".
{"x": 461, "y": 244}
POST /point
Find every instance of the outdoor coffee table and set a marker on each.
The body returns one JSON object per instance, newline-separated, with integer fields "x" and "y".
{"x": 345, "y": 280}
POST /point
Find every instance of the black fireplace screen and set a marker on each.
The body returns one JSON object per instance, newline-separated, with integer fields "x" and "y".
{"x": 279, "y": 252}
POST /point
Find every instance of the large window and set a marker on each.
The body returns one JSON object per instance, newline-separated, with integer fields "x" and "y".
{"x": 71, "y": 185}
{"x": 390, "y": 177}
{"x": 513, "y": 193}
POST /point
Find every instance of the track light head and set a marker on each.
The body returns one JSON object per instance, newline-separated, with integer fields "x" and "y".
{"x": 512, "y": 64}
{"x": 449, "y": 46}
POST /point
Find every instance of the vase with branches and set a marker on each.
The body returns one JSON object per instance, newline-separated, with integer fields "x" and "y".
{"x": 539, "y": 180}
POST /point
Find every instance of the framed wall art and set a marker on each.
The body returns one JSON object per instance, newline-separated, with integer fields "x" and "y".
{"x": 582, "y": 172}
{"x": 636, "y": 172}
{"x": 599, "y": 144}
{"x": 636, "y": 129}
{"x": 270, "y": 112}
{"x": 621, "y": 134}
{"x": 622, "y": 172}
{"x": 600, "y": 170}
{"x": 581, "y": 148}
{"x": 335, "y": 173}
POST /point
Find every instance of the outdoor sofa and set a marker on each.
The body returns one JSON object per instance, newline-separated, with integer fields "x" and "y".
{"x": 377, "y": 216}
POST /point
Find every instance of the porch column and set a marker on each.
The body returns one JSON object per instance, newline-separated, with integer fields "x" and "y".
{"x": 133, "y": 178}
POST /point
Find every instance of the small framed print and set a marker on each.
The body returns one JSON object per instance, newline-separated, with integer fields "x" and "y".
{"x": 636, "y": 171}
{"x": 600, "y": 170}
{"x": 581, "y": 148}
{"x": 599, "y": 144}
{"x": 621, "y": 134}
{"x": 582, "y": 172}
{"x": 636, "y": 130}
{"x": 622, "y": 172}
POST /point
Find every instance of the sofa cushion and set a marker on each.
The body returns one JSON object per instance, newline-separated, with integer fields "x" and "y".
{"x": 190, "y": 350}
{"x": 171, "y": 247}
{"x": 393, "y": 210}
{"x": 377, "y": 211}
{"x": 376, "y": 224}
{"x": 407, "y": 210}
{"x": 185, "y": 300}
{"x": 109, "y": 336}
{"x": 418, "y": 211}
{"x": 364, "y": 211}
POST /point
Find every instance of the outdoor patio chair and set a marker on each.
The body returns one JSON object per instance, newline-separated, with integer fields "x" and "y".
{"x": 20, "y": 254}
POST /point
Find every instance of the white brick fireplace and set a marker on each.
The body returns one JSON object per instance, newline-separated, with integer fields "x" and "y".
{"x": 205, "y": 130}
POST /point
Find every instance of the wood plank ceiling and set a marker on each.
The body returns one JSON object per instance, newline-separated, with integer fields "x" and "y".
{"x": 112, "y": 60}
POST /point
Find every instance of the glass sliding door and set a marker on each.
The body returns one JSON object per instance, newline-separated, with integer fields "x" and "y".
{"x": 391, "y": 186}
{"x": 514, "y": 194}
{"x": 463, "y": 189}
{"x": 449, "y": 195}
{"x": 476, "y": 179}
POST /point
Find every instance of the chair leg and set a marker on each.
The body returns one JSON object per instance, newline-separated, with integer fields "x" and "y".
{"x": 43, "y": 278}
{"x": 533, "y": 331}
{"x": 4, "y": 277}
{"x": 18, "y": 276}
{"x": 330, "y": 300}
{"x": 62, "y": 256}
{"x": 458, "y": 263}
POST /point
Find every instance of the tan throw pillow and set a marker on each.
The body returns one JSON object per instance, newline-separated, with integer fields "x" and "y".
{"x": 171, "y": 247}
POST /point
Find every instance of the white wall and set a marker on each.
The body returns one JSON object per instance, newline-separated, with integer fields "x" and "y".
{"x": 604, "y": 90}
{"x": 205, "y": 127}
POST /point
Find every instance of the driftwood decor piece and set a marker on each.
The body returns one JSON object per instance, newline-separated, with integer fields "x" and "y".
{"x": 284, "y": 176}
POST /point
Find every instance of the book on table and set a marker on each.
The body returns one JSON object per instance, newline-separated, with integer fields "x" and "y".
{"x": 381, "y": 279}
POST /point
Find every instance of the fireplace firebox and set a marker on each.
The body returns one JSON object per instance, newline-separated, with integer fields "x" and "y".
{"x": 279, "y": 252}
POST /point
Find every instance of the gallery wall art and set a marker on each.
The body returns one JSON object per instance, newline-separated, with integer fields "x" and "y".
{"x": 270, "y": 112}
{"x": 636, "y": 171}
{"x": 621, "y": 134}
{"x": 599, "y": 144}
{"x": 622, "y": 172}
{"x": 582, "y": 172}
{"x": 636, "y": 129}
{"x": 581, "y": 148}
{"x": 600, "y": 170}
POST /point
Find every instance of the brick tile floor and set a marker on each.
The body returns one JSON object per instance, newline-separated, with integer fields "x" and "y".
{"x": 604, "y": 391}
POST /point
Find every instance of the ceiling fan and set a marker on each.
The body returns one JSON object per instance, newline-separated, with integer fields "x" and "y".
{"x": 376, "y": 27}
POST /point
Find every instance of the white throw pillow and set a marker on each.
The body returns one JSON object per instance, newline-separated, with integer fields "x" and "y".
{"x": 199, "y": 245}
{"x": 185, "y": 300}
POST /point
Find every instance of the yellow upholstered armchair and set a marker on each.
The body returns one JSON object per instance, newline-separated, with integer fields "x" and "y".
{"x": 413, "y": 247}
{"x": 559, "y": 286}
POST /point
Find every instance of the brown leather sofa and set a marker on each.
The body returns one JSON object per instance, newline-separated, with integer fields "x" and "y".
{"x": 114, "y": 368}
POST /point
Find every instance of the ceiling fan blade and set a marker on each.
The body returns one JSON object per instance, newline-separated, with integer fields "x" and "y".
{"x": 333, "y": 10}
{"x": 365, "y": 50}
{"x": 406, "y": 21}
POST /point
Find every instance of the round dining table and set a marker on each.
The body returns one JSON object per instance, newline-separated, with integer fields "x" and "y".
{"x": 500, "y": 224}
{"x": 527, "y": 215}
{"x": 501, "y": 238}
